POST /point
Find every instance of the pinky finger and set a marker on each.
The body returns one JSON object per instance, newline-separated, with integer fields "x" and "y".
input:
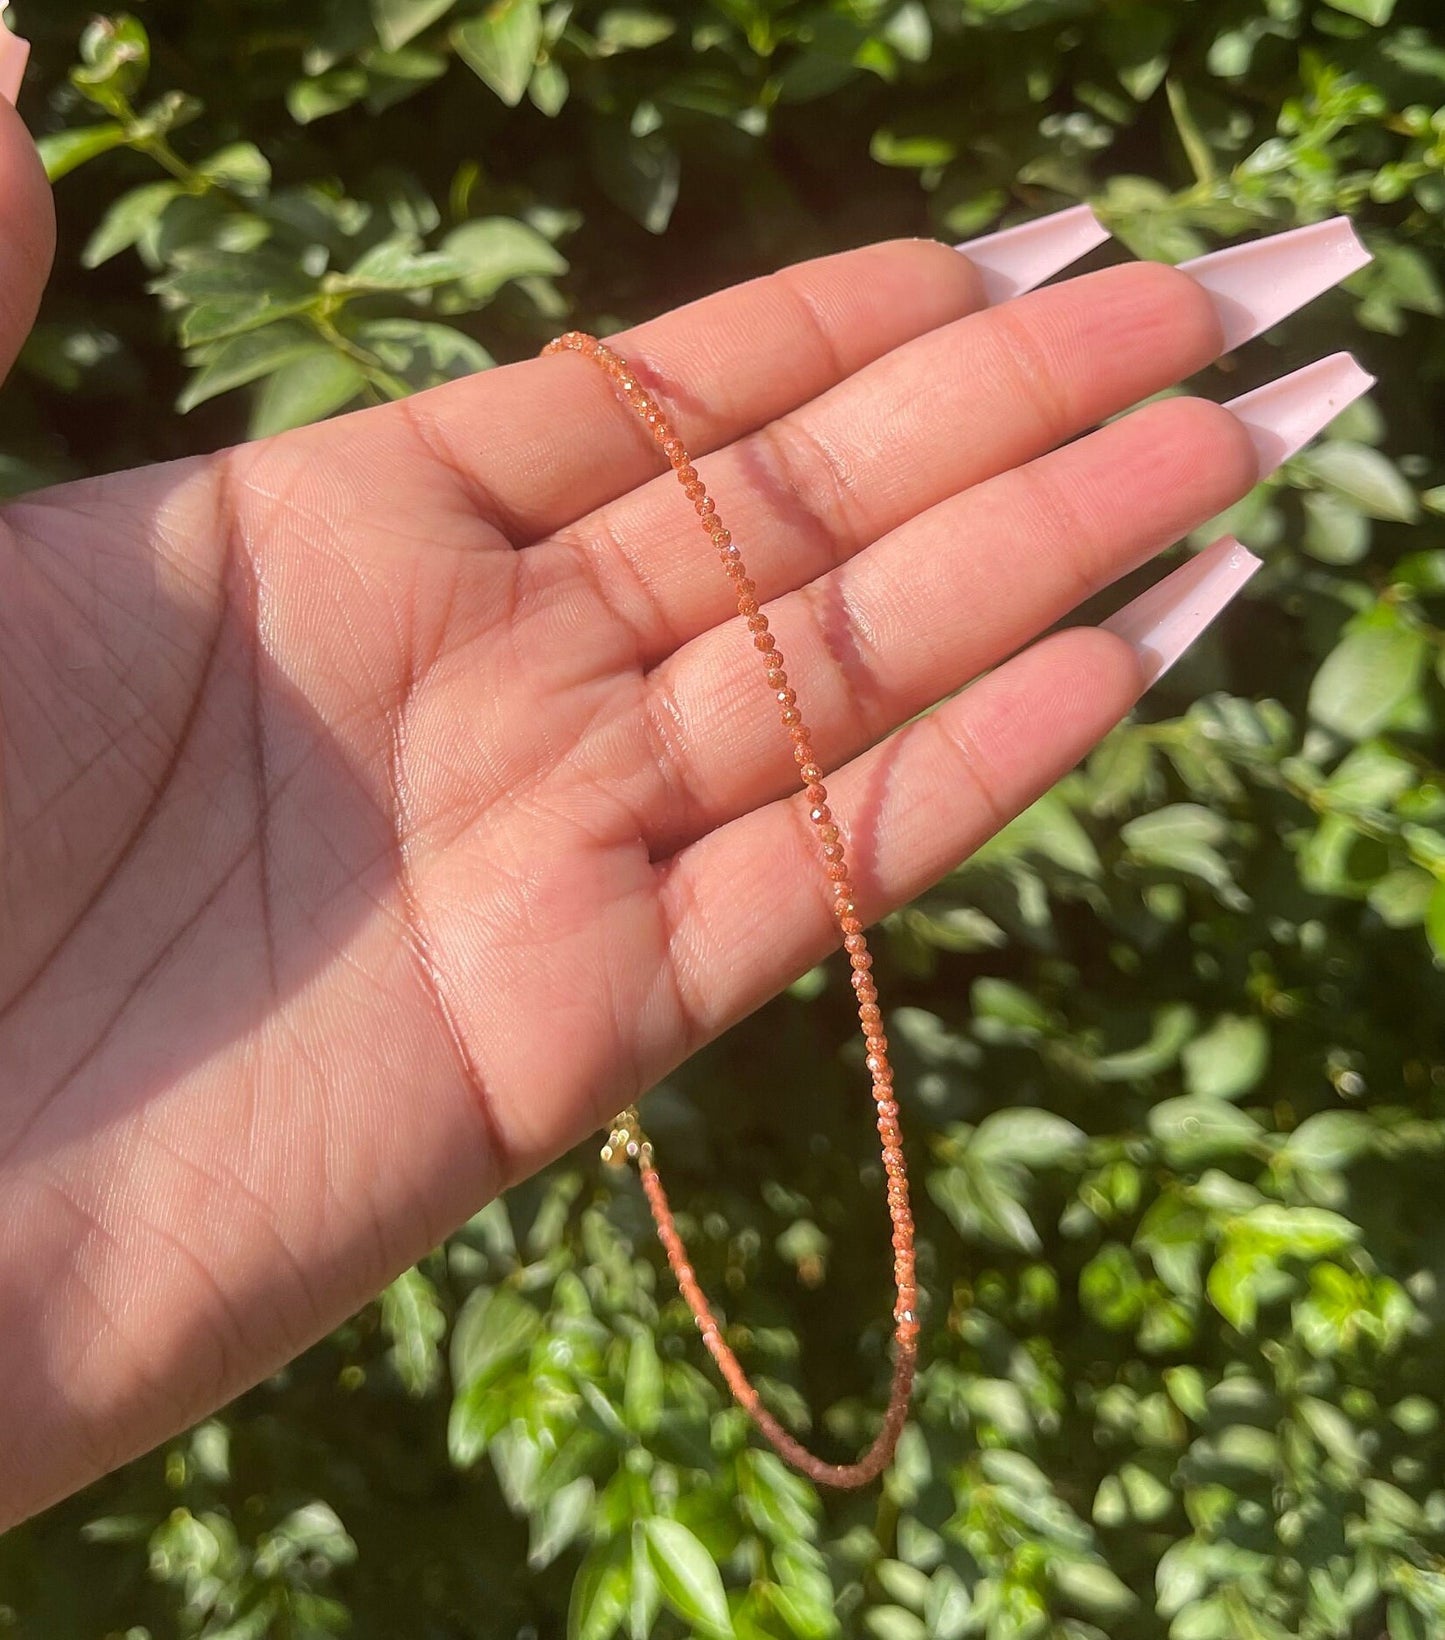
{"x": 748, "y": 907}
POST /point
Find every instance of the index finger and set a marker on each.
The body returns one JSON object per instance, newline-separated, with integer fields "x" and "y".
{"x": 541, "y": 443}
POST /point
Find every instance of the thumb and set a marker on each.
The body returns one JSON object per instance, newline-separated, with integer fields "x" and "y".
{"x": 27, "y": 212}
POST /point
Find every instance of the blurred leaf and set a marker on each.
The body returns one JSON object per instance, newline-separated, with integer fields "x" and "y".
{"x": 689, "y": 1580}
{"x": 1036, "y": 1138}
{"x": 1376, "y": 12}
{"x": 394, "y": 265}
{"x": 630, "y": 28}
{"x": 62, "y": 152}
{"x": 1228, "y": 1059}
{"x": 400, "y": 21}
{"x": 1362, "y": 477}
{"x": 1191, "y": 1130}
{"x": 246, "y": 358}
{"x": 311, "y": 387}
{"x": 413, "y": 1316}
{"x": 599, "y": 1594}
{"x": 496, "y": 249}
{"x": 1368, "y": 675}
{"x": 500, "y": 46}
{"x": 132, "y": 216}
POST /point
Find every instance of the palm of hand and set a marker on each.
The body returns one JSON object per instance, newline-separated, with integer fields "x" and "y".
{"x": 386, "y": 804}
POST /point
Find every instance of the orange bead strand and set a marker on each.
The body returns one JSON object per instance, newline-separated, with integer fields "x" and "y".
{"x": 627, "y": 1142}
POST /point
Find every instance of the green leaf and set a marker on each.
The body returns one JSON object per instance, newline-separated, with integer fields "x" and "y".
{"x": 497, "y": 249}
{"x": 903, "y": 1583}
{"x": 689, "y": 1580}
{"x": 500, "y": 46}
{"x": 246, "y": 358}
{"x": 1402, "y": 897}
{"x": 549, "y": 87}
{"x": 392, "y": 76}
{"x": 1092, "y": 1586}
{"x": 495, "y": 1328}
{"x": 114, "y": 61}
{"x": 985, "y": 1202}
{"x": 313, "y": 99}
{"x": 560, "y": 1521}
{"x": 909, "y": 30}
{"x": 412, "y": 1315}
{"x": 240, "y": 165}
{"x": 306, "y": 390}
{"x": 642, "y": 1396}
{"x": 893, "y": 1623}
{"x": 600, "y": 1593}
{"x": 1181, "y": 838}
{"x": 1191, "y": 1130}
{"x": 1362, "y": 477}
{"x": 1299, "y": 1232}
{"x": 1365, "y": 679}
{"x": 1171, "y": 1028}
{"x": 1231, "y": 1289}
{"x": 1049, "y": 829}
{"x": 1377, "y": 12}
{"x": 65, "y": 151}
{"x": 1330, "y": 1140}
{"x": 396, "y": 265}
{"x": 446, "y": 353}
{"x": 910, "y": 152}
{"x": 629, "y": 28}
{"x": 476, "y": 1418}
{"x": 949, "y": 1605}
{"x": 1228, "y": 1059}
{"x": 400, "y": 21}
{"x": 1336, "y": 531}
{"x": 1111, "y": 1289}
{"x": 1004, "y": 1003}
{"x": 1037, "y": 1138}
{"x": 127, "y": 221}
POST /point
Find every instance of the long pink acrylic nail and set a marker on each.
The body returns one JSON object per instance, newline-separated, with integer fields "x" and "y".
{"x": 14, "y": 54}
{"x": 1284, "y": 415}
{"x": 1162, "y": 622}
{"x": 1257, "y": 284}
{"x": 1016, "y": 259}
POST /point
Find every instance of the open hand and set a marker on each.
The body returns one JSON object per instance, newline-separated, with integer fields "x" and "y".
{"x": 383, "y": 805}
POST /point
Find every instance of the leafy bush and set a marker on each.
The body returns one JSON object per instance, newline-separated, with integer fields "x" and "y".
{"x": 1170, "y": 1046}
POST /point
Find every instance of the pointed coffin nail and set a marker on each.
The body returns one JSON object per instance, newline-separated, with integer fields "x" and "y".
{"x": 1162, "y": 622}
{"x": 1255, "y": 285}
{"x": 1016, "y": 259}
{"x": 1284, "y": 415}
{"x": 14, "y": 54}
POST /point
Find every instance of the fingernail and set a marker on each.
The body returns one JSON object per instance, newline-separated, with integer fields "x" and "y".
{"x": 1162, "y": 622}
{"x": 1016, "y": 259}
{"x": 1283, "y": 416}
{"x": 1257, "y": 284}
{"x": 14, "y": 54}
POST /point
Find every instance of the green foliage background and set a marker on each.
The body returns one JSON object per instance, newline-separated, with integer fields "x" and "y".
{"x": 1169, "y": 1047}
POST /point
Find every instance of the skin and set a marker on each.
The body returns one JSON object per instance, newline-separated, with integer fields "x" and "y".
{"x": 384, "y": 805}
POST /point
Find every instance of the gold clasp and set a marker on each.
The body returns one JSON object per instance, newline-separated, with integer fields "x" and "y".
{"x": 625, "y": 1141}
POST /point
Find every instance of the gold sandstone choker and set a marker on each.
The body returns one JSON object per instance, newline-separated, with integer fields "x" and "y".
{"x": 627, "y": 1142}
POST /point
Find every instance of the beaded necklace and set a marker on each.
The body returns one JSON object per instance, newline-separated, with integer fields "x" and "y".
{"x": 627, "y": 1141}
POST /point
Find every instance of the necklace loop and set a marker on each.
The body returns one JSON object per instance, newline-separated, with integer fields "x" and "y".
{"x": 627, "y": 1142}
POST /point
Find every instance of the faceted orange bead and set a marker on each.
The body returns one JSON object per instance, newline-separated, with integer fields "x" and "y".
{"x": 905, "y": 1317}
